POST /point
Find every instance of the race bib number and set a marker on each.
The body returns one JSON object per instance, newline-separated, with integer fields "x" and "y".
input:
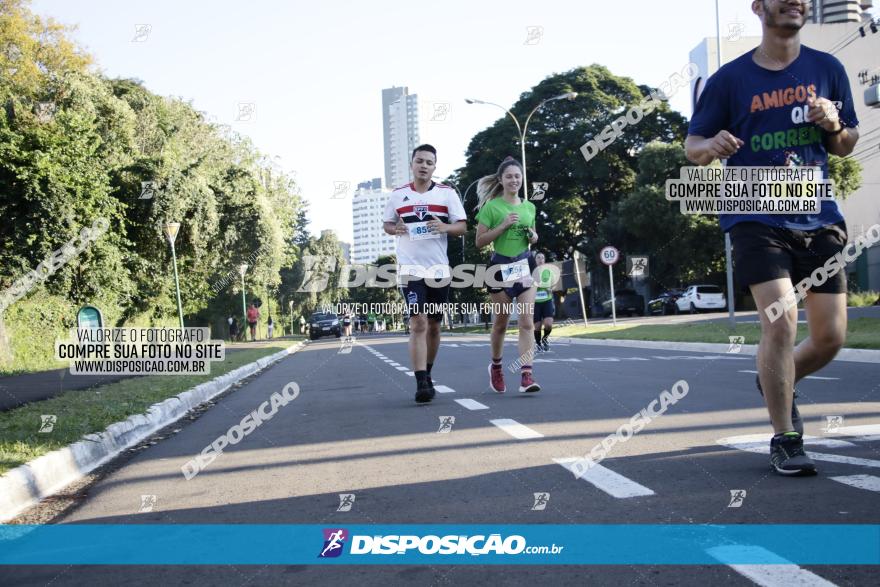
{"x": 419, "y": 231}
{"x": 512, "y": 272}
{"x": 542, "y": 295}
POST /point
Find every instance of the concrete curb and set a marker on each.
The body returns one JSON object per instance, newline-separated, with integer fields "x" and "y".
{"x": 28, "y": 484}
{"x": 848, "y": 355}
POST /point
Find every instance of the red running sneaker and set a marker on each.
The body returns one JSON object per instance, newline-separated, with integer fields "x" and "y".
{"x": 528, "y": 384}
{"x": 496, "y": 380}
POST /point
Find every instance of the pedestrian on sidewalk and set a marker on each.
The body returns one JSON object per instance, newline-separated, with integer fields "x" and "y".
{"x": 253, "y": 315}
{"x": 270, "y": 327}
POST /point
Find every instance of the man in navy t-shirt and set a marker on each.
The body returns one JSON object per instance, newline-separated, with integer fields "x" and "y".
{"x": 783, "y": 104}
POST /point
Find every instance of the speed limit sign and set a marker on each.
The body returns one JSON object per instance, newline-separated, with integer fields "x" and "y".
{"x": 609, "y": 255}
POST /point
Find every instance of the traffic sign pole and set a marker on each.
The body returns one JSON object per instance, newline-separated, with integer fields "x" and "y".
{"x": 613, "y": 301}
{"x": 609, "y": 255}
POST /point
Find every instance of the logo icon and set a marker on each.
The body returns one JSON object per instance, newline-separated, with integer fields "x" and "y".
{"x": 539, "y": 190}
{"x": 534, "y": 34}
{"x": 832, "y": 424}
{"x": 541, "y": 500}
{"x": 441, "y": 111}
{"x": 446, "y": 423}
{"x": 346, "y": 500}
{"x": 316, "y": 273}
{"x": 148, "y": 190}
{"x": 45, "y": 111}
{"x": 245, "y": 112}
{"x": 147, "y": 503}
{"x": 340, "y": 190}
{"x": 735, "y": 31}
{"x": 420, "y": 211}
{"x": 737, "y": 497}
{"x": 736, "y": 344}
{"x": 47, "y": 423}
{"x": 334, "y": 541}
{"x": 142, "y": 33}
{"x": 638, "y": 266}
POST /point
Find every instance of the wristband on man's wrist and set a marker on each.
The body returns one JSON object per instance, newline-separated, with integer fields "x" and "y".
{"x": 831, "y": 133}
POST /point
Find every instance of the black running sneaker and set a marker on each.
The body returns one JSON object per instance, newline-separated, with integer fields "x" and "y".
{"x": 424, "y": 392}
{"x": 796, "y": 419}
{"x": 546, "y": 346}
{"x": 787, "y": 456}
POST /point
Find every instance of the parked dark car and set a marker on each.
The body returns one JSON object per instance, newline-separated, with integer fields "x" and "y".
{"x": 665, "y": 303}
{"x": 627, "y": 301}
{"x": 322, "y": 324}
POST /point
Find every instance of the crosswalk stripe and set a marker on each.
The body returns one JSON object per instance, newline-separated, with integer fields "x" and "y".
{"x": 764, "y": 448}
{"x": 402, "y": 368}
{"x": 517, "y": 430}
{"x": 443, "y": 389}
{"x": 471, "y": 404}
{"x": 604, "y": 479}
{"x": 778, "y": 573}
{"x": 868, "y": 482}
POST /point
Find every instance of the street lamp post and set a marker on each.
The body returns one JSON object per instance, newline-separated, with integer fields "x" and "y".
{"x": 242, "y": 269}
{"x": 523, "y": 129}
{"x": 731, "y": 302}
{"x": 171, "y": 229}
{"x": 290, "y": 305}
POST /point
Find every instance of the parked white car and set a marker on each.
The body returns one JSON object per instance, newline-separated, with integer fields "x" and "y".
{"x": 701, "y": 297}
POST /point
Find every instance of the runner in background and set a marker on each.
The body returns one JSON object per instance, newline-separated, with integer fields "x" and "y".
{"x": 545, "y": 309}
{"x": 508, "y": 224}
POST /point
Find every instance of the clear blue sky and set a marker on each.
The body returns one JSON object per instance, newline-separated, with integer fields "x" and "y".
{"x": 315, "y": 70}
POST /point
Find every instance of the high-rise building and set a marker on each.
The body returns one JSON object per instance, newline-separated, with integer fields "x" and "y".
{"x": 831, "y": 11}
{"x": 369, "y": 238}
{"x": 400, "y": 125}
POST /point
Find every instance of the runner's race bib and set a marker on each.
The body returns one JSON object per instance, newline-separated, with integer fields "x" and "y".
{"x": 513, "y": 272}
{"x": 419, "y": 231}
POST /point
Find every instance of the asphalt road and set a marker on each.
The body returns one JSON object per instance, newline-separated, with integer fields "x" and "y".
{"x": 355, "y": 429}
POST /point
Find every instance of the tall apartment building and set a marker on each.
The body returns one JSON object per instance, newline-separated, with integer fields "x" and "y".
{"x": 367, "y": 207}
{"x": 400, "y": 125}
{"x": 832, "y": 11}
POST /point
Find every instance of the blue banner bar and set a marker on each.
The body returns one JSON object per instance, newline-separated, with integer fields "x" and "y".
{"x": 160, "y": 544}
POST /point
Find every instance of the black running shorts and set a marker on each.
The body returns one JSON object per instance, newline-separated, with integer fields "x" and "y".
{"x": 763, "y": 253}
{"x": 416, "y": 294}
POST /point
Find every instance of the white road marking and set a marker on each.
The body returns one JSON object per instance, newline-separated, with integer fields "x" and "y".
{"x": 450, "y": 344}
{"x": 402, "y": 368}
{"x": 764, "y": 448}
{"x": 603, "y": 478}
{"x": 868, "y": 482}
{"x": 443, "y": 389}
{"x": 807, "y": 377}
{"x": 411, "y": 374}
{"x": 868, "y": 430}
{"x": 762, "y": 441}
{"x": 517, "y": 430}
{"x": 470, "y": 404}
{"x": 778, "y": 572}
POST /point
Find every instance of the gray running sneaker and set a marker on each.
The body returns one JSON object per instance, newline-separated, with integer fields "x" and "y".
{"x": 787, "y": 456}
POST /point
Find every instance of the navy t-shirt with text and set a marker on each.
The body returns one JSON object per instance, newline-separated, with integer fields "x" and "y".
{"x": 767, "y": 111}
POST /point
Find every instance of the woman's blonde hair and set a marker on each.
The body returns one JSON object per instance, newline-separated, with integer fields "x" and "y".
{"x": 489, "y": 187}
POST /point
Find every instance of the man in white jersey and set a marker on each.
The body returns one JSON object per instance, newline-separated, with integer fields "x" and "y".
{"x": 422, "y": 214}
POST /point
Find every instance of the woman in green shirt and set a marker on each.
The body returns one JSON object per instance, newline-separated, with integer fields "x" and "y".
{"x": 508, "y": 223}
